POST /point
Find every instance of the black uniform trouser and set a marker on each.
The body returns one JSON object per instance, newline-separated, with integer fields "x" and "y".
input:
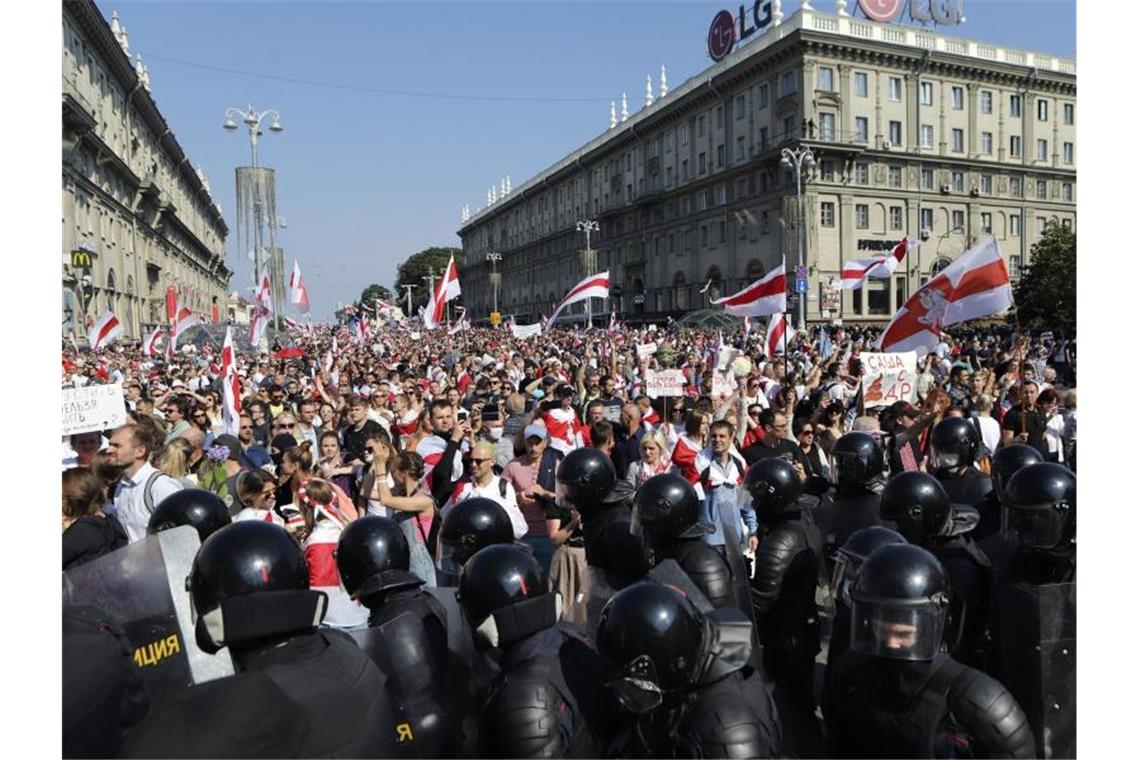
{"x": 794, "y": 672}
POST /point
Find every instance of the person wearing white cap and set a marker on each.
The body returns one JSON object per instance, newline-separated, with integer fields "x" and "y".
{"x": 532, "y": 476}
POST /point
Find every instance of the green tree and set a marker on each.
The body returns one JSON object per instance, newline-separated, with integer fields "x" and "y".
{"x": 417, "y": 266}
{"x": 1046, "y": 294}
{"x": 369, "y": 295}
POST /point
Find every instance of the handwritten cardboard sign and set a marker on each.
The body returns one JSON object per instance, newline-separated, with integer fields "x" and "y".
{"x": 95, "y": 407}
{"x": 665, "y": 382}
{"x": 888, "y": 378}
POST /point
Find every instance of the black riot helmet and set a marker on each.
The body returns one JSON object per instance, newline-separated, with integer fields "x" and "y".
{"x": 503, "y": 594}
{"x": 195, "y": 507}
{"x": 850, "y": 557}
{"x": 1040, "y": 507}
{"x": 917, "y": 505}
{"x": 856, "y": 460}
{"x": 370, "y": 556}
{"x": 666, "y": 507}
{"x": 588, "y": 475}
{"x": 954, "y": 442}
{"x": 774, "y": 487}
{"x": 469, "y": 526}
{"x": 898, "y": 604}
{"x": 1009, "y": 459}
{"x": 652, "y": 640}
{"x": 249, "y": 581}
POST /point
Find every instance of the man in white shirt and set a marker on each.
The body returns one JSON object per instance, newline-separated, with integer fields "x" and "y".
{"x": 484, "y": 482}
{"x": 141, "y": 487}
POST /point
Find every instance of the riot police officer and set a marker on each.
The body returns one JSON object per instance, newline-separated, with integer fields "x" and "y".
{"x": 788, "y": 564}
{"x": 1005, "y": 462}
{"x": 467, "y": 527}
{"x": 196, "y": 507}
{"x": 665, "y": 513}
{"x": 915, "y": 504}
{"x": 680, "y": 675}
{"x": 249, "y": 586}
{"x": 547, "y": 700}
{"x": 955, "y": 444}
{"x": 857, "y": 471}
{"x": 894, "y": 694}
{"x": 410, "y": 632}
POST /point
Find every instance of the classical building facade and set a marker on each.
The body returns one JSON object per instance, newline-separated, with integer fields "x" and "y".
{"x": 913, "y": 133}
{"x": 138, "y": 219}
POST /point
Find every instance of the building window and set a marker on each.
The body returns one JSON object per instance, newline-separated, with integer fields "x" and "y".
{"x": 686, "y": 205}
{"x": 764, "y": 223}
{"x": 668, "y": 176}
{"x": 896, "y": 217}
{"x": 862, "y": 216}
{"x": 926, "y": 93}
{"x": 1015, "y": 105}
{"x": 827, "y": 171}
{"x": 894, "y": 176}
{"x": 763, "y": 137}
{"x": 927, "y": 136}
{"x": 957, "y": 98}
{"x": 703, "y": 200}
{"x": 788, "y": 82}
{"x": 827, "y": 127}
{"x": 1042, "y": 191}
{"x": 685, "y": 170}
{"x": 894, "y": 89}
{"x": 927, "y": 179}
{"x": 895, "y": 133}
{"x": 704, "y": 236}
{"x": 684, "y": 134}
{"x": 857, "y": 300}
{"x": 827, "y": 214}
{"x": 740, "y": 149}
{"x": 926, "y": 219}
{"x": 861, "y": 84}
{"x": 701, "y": 163}
{"x": 1014, "y": 225}
{"x": 1015, "y": 187}
{"x": 987, "y": 143}
{"x": 1070, "y": 112}
{"x": 720, "y": 231}
{"x": 762, "y": 97}
{"x": 1041, "y": 225}
{"x": 987, "y": 222}
{"x": 721, "y": 194}
{"x": 958, "y": 140}
{"x": 861, "y": 129}
{"x": 987, "y": 101}
{"x": 789, "y": 127}
{"x": 701, "y": 126}
{"x": 826, "y": 79}
{"x": 1042, "y": 150}
{"x": 878, "y": 296}
{"x": 1067, "y": 151}
{"x": 862, "y": 173}
{"x": 1014, "y": 146}
{"x": 959, "y": 180}
{"x": 958, "y": 220}
{"x": 1015, "y": 267}
{"x": 720, "y": 117}
{"x": 719, "y": 156}
{"x": 1067, "y": 223}
{"x": 1042, "y": 110}
{"x": 1067, "y": 192}
{"x": 987, "y": 184}
{"x": 739, "y": 107}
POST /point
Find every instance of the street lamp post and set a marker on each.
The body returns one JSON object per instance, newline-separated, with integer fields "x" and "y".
{"x": 589, "y": 262}
{"x": 799, "y": 159}
{"x": 252, "y": 120}
{"x": 494, "y": 257}
{"x": 409, "y": 289}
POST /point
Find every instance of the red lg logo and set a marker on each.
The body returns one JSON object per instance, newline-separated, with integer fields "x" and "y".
{"x": 722, "y": 35}
{"x": 883, "y": 11}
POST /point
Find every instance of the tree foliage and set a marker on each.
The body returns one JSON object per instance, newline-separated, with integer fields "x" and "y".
{"x": 369, "y": 295}
{"x": 417, "y": 266}
{"x": 1046, "y": 294}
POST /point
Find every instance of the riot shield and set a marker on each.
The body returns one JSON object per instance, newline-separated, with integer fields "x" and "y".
{"x": 1037, "y": 627}
{"x": 737, "y": 564}
{"x": 142, "y": 587}
{"x": 669, "y": 573}
{"x": 601, "y": 590}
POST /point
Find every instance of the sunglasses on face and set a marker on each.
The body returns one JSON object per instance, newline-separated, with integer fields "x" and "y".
{"x": 479, "y": 461}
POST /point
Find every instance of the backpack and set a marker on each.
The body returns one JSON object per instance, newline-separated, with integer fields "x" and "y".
{"x": 148, "y": 495}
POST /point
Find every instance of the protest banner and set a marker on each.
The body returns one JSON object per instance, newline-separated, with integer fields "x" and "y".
{"x": 93, "y": 407}
{"x": 723, "y": 385}
{"x": 646, "y": 349}
{"x": 888, "y": 378}
{"x": 665, "y": 382}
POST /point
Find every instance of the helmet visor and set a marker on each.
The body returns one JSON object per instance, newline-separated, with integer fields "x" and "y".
{"x": 450, "y": 562}
{"x": 944, "y": 460}
{"x": 1036, "y": 527}
{"x": 897, "y": 632}
{"x": 841, "y": 577}
{"x": 847, "y": 467}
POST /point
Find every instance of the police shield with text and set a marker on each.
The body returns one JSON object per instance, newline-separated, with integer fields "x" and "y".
{"x": 1034, "y": 629}
{"x": 407, "y": 635}
{"x": 547, "y": 700}
{"x": 678, "y": 674}
{"x": 894, "y": 693}
{"x": 857, "y": 467}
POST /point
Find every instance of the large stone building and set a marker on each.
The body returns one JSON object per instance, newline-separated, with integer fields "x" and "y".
{"x": 137, "y": 217}
{"x": 913, "y": 133}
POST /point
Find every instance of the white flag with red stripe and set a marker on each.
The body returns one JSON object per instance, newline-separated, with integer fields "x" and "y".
{"x": 776, "y": 342}
{"x": 878, "y": 267}
{"x": 461, "y": 324}
{"x": 104, "y": 331}
{"x": 150, "y": 345}
{"x": 594, "y": 286}
{"x": 231, "y": 390}
{"x": 767, "y": 295}
{"x": 184, "y": 320}
{"x": 298, "y": 293}
{"x": 975, "y": 285}
{"x": 447, "y": 289}
{"x": 262, "y": 310}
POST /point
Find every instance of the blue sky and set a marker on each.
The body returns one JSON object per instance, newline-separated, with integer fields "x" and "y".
{"x": 366, "y": 178}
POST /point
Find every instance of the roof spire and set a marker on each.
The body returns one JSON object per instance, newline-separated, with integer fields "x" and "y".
{"x": 624, "y": 108}
{"x": 613, "y": 114}
{"x": 664, "y": 87}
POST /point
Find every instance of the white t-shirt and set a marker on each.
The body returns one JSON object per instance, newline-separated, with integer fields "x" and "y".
{"x": 492, "y": 491}
{"x": 991, "y": 432}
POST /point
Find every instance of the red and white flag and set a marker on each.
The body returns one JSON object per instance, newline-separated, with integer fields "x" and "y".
{"x": 776, "y": 342}
{"x": 262, "y": 310}
{"x": 298, "y": 294}
{"x": 461, "y": 324}
{"x": 447, "y": 289}
{"x": 231, "y": 390}
{"x": 183, "y": 321}
{"x": 150, "y": 345}
{"x": 104, "y": 331}
{"x": 594, "y": 286}
{"x": 975, "y": 285}
{"x": 767, "y": 295}
{"x": 878, "y": 267}
{"x": 708, "y": 285}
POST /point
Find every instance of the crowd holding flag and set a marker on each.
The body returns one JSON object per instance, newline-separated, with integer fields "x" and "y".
{"x": 231, "y": 390}
{"x": 594, "y": 286}
{"x": 104, "y": 330}
{"x": 447, "y": 289}
{"x": 183, "y": 321}
{"x": 298, "y": 293}
{"x": 767, "y": 295}
{"x": 262, "y": 310}
{"x": 776, "y": 341}
{"x": 150, "y": 345}
{"x": 876, "y": 267}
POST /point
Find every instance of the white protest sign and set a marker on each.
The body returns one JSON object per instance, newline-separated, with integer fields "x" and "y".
{"x": 646, "y": 349}
{"x": 723, "y": 385}
{"x": 888, "y": 378}
{"x": 526, "y": 331}
{"x": 665, "y": 382}
{"x": 95, "y": 407}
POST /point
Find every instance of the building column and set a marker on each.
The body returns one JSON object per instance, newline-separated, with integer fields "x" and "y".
{"x": 846, "y": 223}
{"x": 972, "y": 137}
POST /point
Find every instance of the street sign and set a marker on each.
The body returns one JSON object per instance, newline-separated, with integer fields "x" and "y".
{"x": 801, "y": 271}
{"x": 801, "y": 285}
{"x": 496, "y": 318}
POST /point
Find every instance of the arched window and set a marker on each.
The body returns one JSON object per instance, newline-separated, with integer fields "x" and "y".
{"x": 111, "y": 290}
{"x": 680, "y": 291}
{"x": 129, "y": 325}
